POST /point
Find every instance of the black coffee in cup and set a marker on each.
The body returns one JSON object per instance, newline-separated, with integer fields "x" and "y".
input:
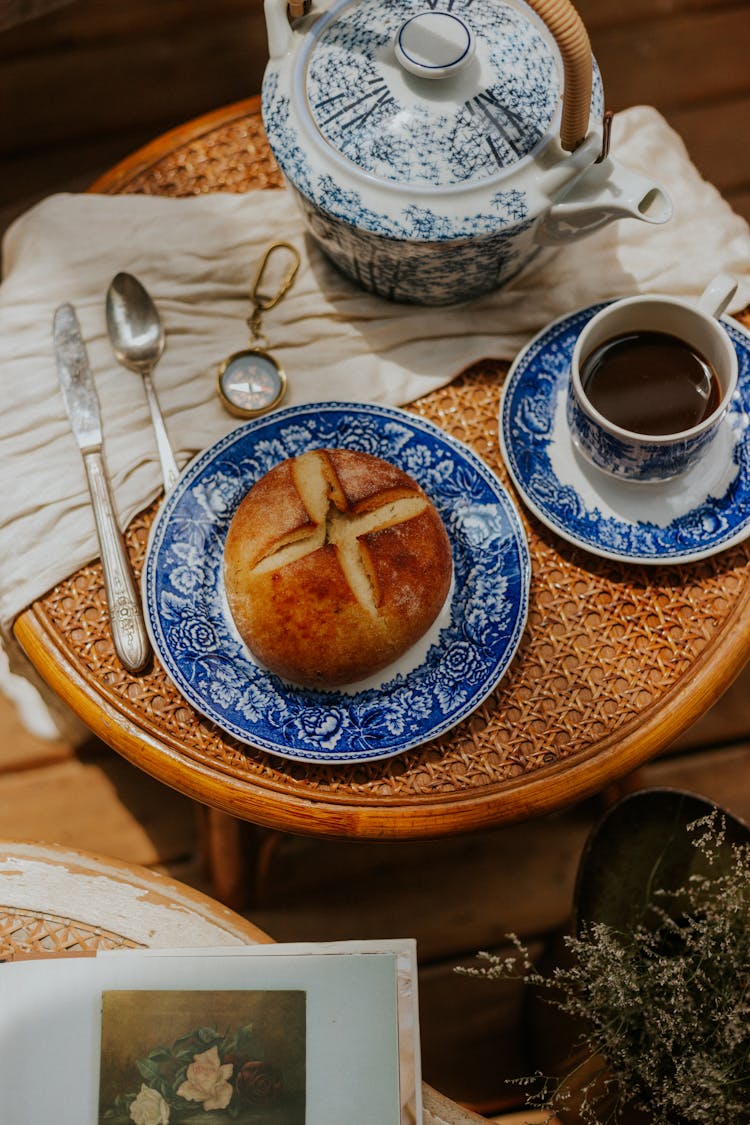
{"x": 650, "y": 383}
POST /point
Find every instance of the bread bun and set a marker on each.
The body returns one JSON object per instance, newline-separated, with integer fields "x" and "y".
{"x": 335, "y": 563}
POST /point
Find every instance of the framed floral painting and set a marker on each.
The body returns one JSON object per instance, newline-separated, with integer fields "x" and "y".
{"x": 187, "y": 1057}
{"x": 300, "y": 1033}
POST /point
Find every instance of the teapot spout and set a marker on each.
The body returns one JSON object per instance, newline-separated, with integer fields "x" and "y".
{"x": 602, "y": 193}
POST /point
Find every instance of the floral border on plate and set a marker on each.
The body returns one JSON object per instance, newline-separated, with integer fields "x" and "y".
{"x": 197, "y": 642}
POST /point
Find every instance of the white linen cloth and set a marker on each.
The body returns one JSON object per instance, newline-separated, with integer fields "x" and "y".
{"x": 197, "y": 257}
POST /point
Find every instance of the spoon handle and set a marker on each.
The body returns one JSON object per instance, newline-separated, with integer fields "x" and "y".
{"x": 169, "y": 469}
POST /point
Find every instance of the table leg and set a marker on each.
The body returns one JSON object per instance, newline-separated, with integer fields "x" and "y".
{"x": 230, "y": 850}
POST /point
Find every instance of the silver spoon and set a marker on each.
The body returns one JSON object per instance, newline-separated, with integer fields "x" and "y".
{"x": 137, "y": 337}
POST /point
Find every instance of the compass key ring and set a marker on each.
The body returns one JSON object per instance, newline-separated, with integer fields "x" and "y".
{"x": 251, "y": 381}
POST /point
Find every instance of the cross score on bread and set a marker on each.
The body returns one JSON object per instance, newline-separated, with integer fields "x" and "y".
{"x": 336, "y": 562}
{"x": 332, "y": 521}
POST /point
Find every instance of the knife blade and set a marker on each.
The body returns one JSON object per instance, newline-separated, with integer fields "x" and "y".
{"x": 82, "y": 407}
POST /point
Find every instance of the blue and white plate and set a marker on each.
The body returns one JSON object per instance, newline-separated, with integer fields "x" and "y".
{"x": 704, "y": 511}
{"x": 435, "y": 685}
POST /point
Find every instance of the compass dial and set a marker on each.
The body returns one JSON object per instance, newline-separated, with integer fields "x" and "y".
{"x": 250, "y": 383}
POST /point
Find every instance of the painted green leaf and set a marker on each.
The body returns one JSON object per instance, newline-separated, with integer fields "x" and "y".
{"x": 148, "y": 1070}
{"x": 184, "y": 1041}
{"x": 160, "y": 1054}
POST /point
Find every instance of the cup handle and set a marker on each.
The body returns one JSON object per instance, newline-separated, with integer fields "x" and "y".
{"x": 718, "y": 293}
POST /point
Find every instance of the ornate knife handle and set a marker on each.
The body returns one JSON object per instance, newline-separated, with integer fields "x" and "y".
{"x": 125, "y": 613}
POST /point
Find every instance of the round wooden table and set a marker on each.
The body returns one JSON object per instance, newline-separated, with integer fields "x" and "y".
{"x": 615, "y": 662}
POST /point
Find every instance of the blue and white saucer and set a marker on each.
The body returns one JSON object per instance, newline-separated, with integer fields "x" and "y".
{"x": 704, "y": 511}
{"x": 434, "y": 686}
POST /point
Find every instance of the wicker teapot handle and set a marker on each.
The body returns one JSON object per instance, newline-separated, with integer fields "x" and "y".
{"x": 572, "y": 40}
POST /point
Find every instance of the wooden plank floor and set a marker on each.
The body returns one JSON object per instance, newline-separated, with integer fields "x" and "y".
{"x": 81, "y": 88}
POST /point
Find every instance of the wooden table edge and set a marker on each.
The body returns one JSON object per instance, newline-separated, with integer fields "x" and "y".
{"x": 152, "y": 883}
{"x": 546, "y": 790}
{"x": 120, "y": 174}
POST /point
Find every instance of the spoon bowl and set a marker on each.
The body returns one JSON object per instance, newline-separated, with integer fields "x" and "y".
{"x": 137, "y": 337}
{"x": 135, "y": 328}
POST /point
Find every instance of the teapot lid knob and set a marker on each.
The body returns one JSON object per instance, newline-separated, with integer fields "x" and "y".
{"x": 434, "y": 44}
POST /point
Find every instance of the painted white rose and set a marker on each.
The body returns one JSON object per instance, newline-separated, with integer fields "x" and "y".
{"x": 149, "y": 1108}
{"x": 207, "y": 1081}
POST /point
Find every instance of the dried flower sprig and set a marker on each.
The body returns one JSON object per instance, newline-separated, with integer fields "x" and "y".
{"x": 665, "y": 1004}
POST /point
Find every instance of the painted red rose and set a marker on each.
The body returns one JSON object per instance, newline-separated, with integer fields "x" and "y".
{"x": 258, "y": 1082}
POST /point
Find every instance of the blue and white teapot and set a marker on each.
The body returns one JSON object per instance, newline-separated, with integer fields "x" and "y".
{"x": 437, "y": 146}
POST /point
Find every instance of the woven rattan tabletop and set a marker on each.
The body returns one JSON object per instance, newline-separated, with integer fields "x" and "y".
{"x": 615, "y": 662}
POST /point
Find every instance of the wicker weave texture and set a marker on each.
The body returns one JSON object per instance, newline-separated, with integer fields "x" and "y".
{"x": 29, "y": 932}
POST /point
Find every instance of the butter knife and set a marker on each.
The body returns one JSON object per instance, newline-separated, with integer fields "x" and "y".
{"x": 82, "y": 405}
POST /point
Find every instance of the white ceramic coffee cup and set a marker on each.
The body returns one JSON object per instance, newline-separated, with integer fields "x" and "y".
{"x": 644, "y": 457}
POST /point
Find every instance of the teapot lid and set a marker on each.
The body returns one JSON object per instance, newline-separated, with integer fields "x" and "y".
{"x": 413, "y": 94}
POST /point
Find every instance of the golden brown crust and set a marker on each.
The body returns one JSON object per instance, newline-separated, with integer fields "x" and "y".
{"x": 335, "y": 563}
{"x": 285, "y": 516}
{"x": 367, "y": 482}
